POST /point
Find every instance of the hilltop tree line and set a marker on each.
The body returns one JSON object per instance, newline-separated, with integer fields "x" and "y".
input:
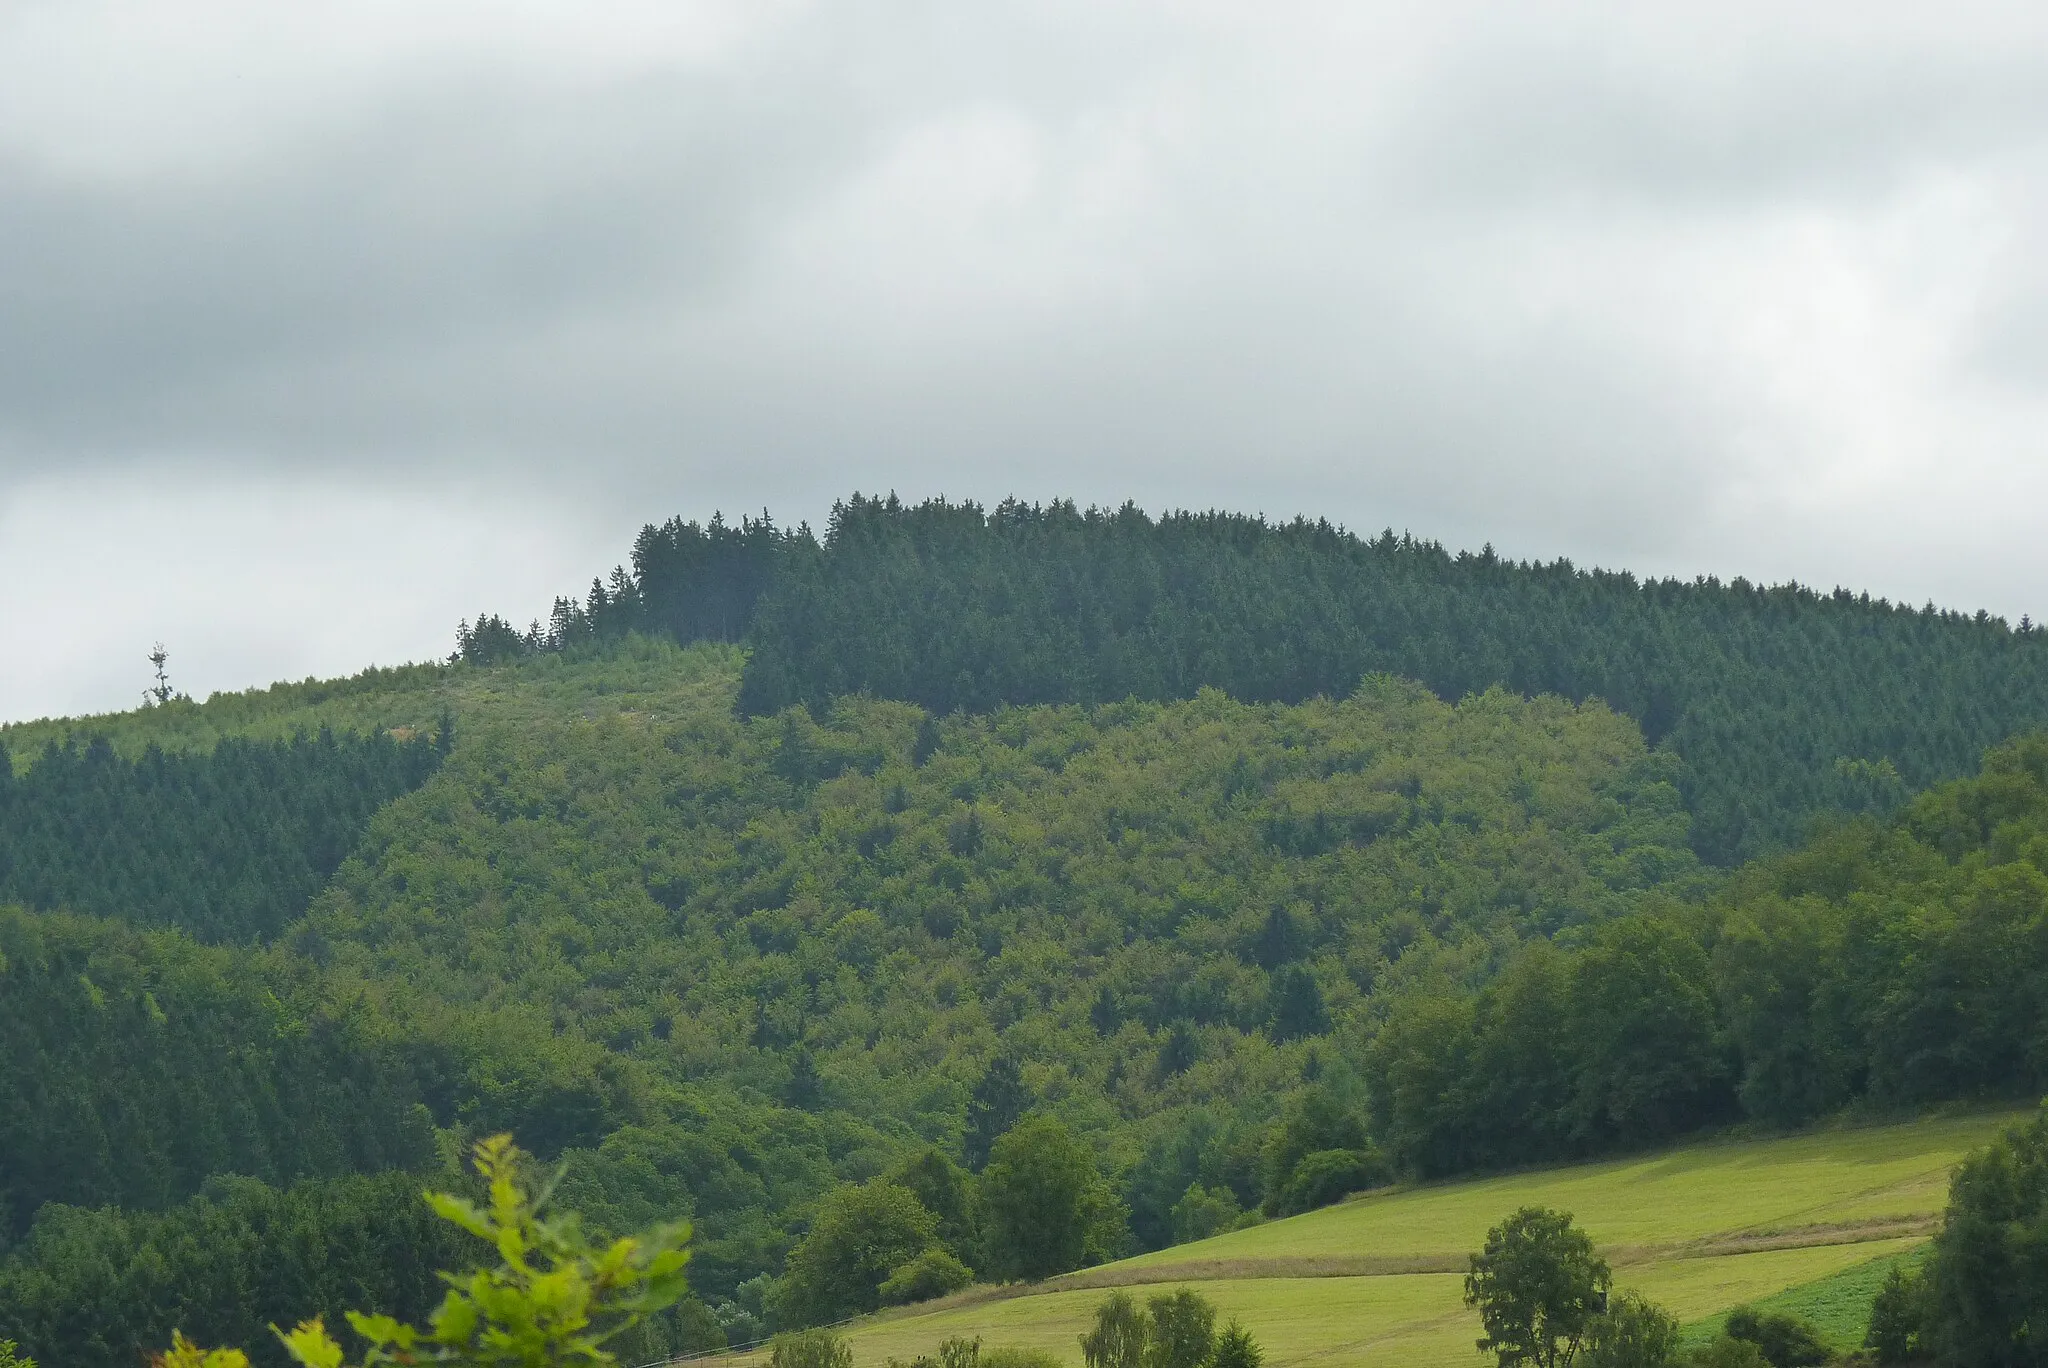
{"x": 228, "y": 845}
{"x": 1782, "y": 701}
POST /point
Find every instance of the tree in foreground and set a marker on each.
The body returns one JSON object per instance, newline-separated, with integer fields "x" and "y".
{"x": 1539, "y": 1287}
{"x": 9, "y": 1356}
{"x": 552, "y": 1299}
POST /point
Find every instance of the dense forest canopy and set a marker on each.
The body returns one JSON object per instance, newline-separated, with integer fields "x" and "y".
{"x": 1783, "y": 702}
{"x": 137, "y": 1065}
{"x": 228, "y": 845}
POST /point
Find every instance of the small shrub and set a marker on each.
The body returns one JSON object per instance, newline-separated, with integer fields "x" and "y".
{"x": 9, "y": 1356}
{"x": 959, "y": 1352}
{"x": 1235, "y": 1348}
{"x": 810, "y": 1349}
{"x": 1784, "y": 1341}
{"x": 1010, "y": 1356}
{"x": 1725, "y": 1352}
{"x": 933, "y": 1273}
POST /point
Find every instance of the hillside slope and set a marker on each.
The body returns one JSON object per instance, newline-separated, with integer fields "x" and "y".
{"x": 1378, "y": 1279}
{"x": 724, "y": 963}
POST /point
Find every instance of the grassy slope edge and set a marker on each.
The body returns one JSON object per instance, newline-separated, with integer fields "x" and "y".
{"x": 1801, "y": 1221}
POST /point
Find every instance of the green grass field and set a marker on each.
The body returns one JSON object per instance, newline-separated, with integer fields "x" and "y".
{"x": 1806, "y": 1224}
{"x": 1838, "y": 1306}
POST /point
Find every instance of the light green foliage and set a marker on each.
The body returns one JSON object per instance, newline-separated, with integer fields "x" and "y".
{"x": 185, "y": 1354}
{"x": 1118, "y": 1337}
{"x": 864, "y": 1234}
{"x": 1181, "y": 1330}
{"x": 1633, "y": 1333}
{"x": 1536, "y": 1284}
{"x": 1045, "y": 1205}
{"x": 408, "y": 696}
{"x": 960, "y": 1352}
{"x": 810, "y": 1349}
{"x": 9, "y": 1358}
{"x": 933, "y": 1273}
{"x": 553, "y": 1300}
{"x": 1236, "y": 1348}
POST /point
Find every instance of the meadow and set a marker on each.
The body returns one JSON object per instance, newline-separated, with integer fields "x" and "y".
{"x": 1806, "y": 1223}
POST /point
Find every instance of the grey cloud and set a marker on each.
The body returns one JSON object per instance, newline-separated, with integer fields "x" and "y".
{"x": 1590, "y": 280}
{"x": 221, "y": 312}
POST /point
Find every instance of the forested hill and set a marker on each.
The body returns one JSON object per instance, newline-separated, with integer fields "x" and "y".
{"x": 722, "y": 964}
{"x": 1781, "y": 701}
{"x": 735, "y": 967}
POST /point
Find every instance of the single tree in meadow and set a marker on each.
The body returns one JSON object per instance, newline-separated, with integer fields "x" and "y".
{"x": 1539, "y": 1287}
{"x": 1118, "y": 1338}
{"x": 1235, "y": 1348}
{"x": 1183, "y": 1325}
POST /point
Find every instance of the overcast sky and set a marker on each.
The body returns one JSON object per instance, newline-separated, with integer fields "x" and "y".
{"x": 322, "y": 326}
